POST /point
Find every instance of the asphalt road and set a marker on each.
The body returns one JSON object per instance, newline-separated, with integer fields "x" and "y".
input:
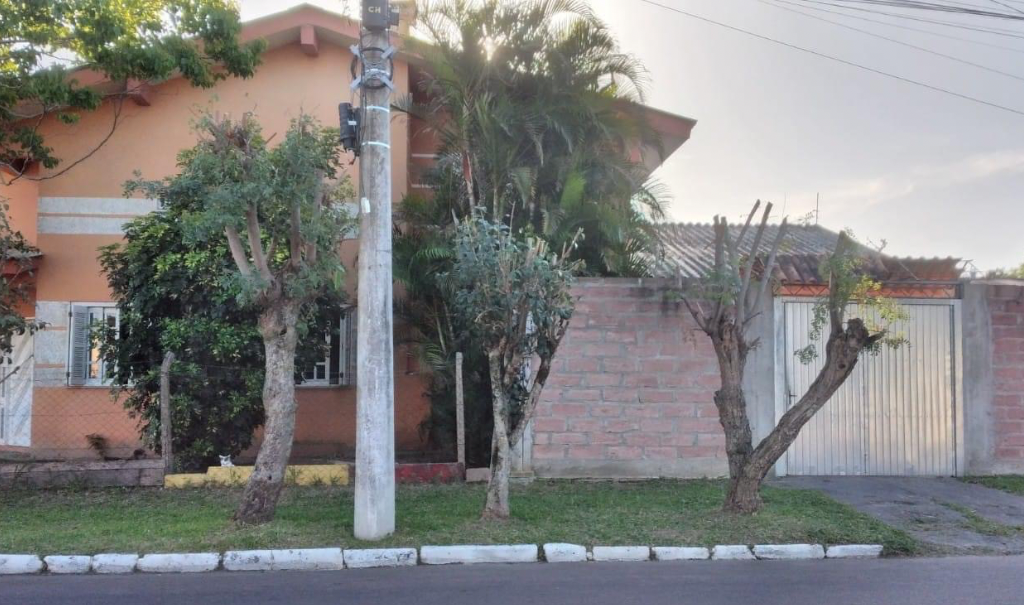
{"x": 950, "y": 581}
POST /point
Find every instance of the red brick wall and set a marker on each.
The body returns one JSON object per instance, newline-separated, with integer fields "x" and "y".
{"x": 630, "y": 393}
{"x": 1006, "y": 305}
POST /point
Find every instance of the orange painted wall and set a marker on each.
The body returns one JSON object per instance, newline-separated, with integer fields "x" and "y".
{"x": 22, "y": 196}
{"x": 63, "y": 417}
{"x": 69, "y": 269}
{"x": 148, "y": 139}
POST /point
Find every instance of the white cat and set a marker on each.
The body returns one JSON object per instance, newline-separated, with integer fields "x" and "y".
{"x": 226, "y": 461}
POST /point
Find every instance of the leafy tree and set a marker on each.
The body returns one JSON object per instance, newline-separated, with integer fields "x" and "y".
{"x": 172, "y": 296}
{"x": 1015, "y": 273}
{"x": 17, "y": 258}
{"x": 536, "y": 112}
{"x": 725, "y": 303}
{"x": 286, "y": 202}
{"x": 515, "y": 295}
{"x": 44, "y": 42}
{"x": 423, "y": 250}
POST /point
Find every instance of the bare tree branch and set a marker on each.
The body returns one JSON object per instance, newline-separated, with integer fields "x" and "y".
{"x": 746, "y": 274}
{"x": 319, "y": 197}
{"x": 769, "y": 266}
{"x": 746, "y": 225}
{"x": 259, "y": 259}
{"x": 238, "y": 251}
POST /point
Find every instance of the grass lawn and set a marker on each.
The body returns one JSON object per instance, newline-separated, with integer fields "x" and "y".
{"x": 1008, "y": 483}
{"x": 657, "y": 512}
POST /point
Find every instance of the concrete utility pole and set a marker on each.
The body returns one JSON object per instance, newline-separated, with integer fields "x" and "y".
{"x": 375, "y": 384}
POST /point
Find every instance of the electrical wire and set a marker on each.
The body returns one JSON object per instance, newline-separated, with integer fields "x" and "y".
{"x": 938, "y": 7}
{"x": 895, "y": 41}
{"x": 837, "y": 59}
{"x": 903, "y": 27}
{"x": 1011, "y": 7}
{"x": 986, "y": 30}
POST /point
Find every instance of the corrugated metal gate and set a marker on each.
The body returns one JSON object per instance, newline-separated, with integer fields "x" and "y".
{"x": 898, "y": 413}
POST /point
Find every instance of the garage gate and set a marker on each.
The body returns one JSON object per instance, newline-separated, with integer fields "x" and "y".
{"x": 899, "y": 413}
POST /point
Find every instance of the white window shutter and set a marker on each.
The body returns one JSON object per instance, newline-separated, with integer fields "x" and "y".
{"x": 80, "y": 346}
{"x": 348, "y": 342}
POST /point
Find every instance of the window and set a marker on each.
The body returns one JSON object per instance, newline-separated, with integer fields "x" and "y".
{"x": 91, "y": 326}
{"x": 338, "y": 366}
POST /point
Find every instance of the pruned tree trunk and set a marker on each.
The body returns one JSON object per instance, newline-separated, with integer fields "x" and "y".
{"x": 496, "y": 506}
{"x": 277, "y": 327}
{"x": 749, "y": 466}
{"x": 734, "y": 300}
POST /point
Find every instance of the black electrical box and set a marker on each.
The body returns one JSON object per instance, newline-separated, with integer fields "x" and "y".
{"x": 351, "y": 120}
{"x": 376, "y": 15}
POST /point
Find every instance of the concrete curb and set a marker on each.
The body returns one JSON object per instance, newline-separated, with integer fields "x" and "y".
{"x": 68, "y": 563}
{"x": 854, "y": 551}
{"x": 20, "y": 564}
{"x": 114, "y": 563}
{"x": 179, "y": 563}
{"x": 782, "y": 552}
{"x": 621, "y": 553}
{"x": 304, "y": 559}
{"x": 472, "y": 554}
{"x": 732, "y": 552}
{"x": 558, "y": 552}
{"x": 380, "y": 557}
{"x": 316, "y": 559}
{"x": 680, "y": 553}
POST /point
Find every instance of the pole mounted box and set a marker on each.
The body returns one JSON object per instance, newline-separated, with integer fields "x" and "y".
{"x": 378, "y": 15}
{"x": 351, "y": 120}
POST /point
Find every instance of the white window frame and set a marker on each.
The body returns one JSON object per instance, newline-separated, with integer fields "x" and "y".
{"x": 325, "y": 363}
{"x": 341, "y": 366}
{"x": 108, "y": 308}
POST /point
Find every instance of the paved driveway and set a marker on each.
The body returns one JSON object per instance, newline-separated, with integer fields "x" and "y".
{"x": 953, "y": 516}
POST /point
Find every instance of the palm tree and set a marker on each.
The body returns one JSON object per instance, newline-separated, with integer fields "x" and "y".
{"x": 538, "y": 114}
{"x": 539, "y": 120}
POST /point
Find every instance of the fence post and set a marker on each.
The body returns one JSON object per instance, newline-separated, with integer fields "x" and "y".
{"x": 165, "y": 413}
{"x": 460, "y": 412}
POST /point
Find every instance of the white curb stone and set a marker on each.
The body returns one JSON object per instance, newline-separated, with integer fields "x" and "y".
{"x": 731, "y": 552}
{"x": 249, "y": 560}
{"x": 380, "y": 557}
{"x": 14, "y": 564}
{"x": 179, "y": 562}
{"x": 680, "y": 553}
{"x": 789, "y": 551}
{"x": 622, "y": 553}
{"x": 68, "y": 563}
{"x": 307, "y": 559}
{"x": 114, "y": 563}
{"x": 470, "y": 554}
{"x": 854, "y": 551}
{"x": 558, "y": 552}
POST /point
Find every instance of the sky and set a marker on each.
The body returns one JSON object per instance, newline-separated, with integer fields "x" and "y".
{"x": 922, "y": 172}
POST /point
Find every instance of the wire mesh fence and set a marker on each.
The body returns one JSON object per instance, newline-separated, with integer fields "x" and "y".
{"x": 52, "y": 423}
{"x": 43, "y": 418}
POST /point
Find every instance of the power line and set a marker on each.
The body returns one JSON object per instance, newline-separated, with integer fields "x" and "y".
{"x": 938, "y": 7}
{"x": 895, "y": 41}
{"x": 837, "y": 59}
{"x": 904, "y": 27}
{"x": 1011, "y": 7}
{"x": 985, "y": 30}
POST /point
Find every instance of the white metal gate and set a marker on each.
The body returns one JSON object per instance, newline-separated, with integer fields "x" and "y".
{"x": 16, "y": 393}
{"x": 899, "y": 413}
